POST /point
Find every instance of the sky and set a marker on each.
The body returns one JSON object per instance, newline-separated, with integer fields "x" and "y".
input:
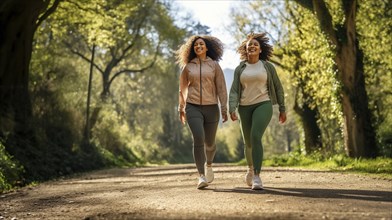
{"x": 215, "y": 14}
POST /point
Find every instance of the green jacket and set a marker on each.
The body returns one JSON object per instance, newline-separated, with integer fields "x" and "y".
{"x": 275, "y": 89}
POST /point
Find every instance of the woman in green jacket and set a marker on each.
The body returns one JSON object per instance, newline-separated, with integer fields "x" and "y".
{"x": 256, "y": 87}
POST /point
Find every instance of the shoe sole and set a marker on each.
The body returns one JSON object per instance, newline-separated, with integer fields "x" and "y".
{"x": 257, "y": 187}
{"x": 202, "y": 185}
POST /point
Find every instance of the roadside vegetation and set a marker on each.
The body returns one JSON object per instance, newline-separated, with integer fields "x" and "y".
{"x": 380, "y": 167}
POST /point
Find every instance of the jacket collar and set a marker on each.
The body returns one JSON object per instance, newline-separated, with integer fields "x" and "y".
{"x": 197, "y": 61}
{"x": 243, "y": 63}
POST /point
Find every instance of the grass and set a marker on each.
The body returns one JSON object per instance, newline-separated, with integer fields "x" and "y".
{"x": 380, "y": 167}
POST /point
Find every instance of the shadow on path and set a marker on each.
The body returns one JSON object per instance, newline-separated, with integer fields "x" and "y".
{"x": 367, "y": 195}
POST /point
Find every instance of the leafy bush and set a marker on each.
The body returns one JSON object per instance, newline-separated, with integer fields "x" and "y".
{"x": 112, "y": 137}
{"x": 10, "y": 170}
{"x": 340, "y": 162}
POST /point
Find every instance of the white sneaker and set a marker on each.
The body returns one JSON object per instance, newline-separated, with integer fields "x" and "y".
{"x": 202, "y": 182}
{"x": 257, "y": 184}
{"x": 249, "y": 176}
{"x": 209, "y": 173}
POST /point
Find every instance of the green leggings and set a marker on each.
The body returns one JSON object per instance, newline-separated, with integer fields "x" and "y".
{"x": 254, "y": 120}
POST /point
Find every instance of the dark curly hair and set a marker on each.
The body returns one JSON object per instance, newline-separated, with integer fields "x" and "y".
{"x": 186, "y": 52}
{"x": 266, "y": 49}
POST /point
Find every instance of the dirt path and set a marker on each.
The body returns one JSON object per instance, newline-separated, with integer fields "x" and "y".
{"x": 169, "y": 192}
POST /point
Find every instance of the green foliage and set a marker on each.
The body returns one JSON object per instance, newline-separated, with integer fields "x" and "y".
{"x": 111, "y": 136}
{"x": 340, "y": 162}
{"x": 310, "y": 59}
{"x": 10, "y": 170}
{"x": 96, "y": 21}
{"x": 126, "y": 125}
{"x": 295, "y": 158}
{"x": 229, "y": 142}
{"x": 379, "y": 165}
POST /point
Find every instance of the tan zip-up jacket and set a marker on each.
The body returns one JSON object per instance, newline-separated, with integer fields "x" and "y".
{"x": 206, "y": 91}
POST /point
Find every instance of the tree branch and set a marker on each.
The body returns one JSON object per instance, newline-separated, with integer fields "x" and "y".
{"x": 319, "y": 8}
{"x": 325, "y": 20}
{"x": 69, "y": 46}
{"x": 47, "y": 13}
{"x": 138, "y": 70}
{"x": 136, "y": 36}
{"x": 308, "y": 4}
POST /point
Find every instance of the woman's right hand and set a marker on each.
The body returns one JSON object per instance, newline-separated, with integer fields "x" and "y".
{"x": 233, "y": 116}
{"x": 182, "y": 117}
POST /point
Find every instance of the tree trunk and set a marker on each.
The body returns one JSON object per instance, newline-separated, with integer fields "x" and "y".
{"x": 359, "y": 135}
{"x": 312, "y": 131}
{"x": 17, "y": 26}
{"x": 87, "y": 128}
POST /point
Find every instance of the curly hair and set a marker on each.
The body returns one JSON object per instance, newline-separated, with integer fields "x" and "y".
{"x": 266, "y": 49}
{"x": 186, "y": 52}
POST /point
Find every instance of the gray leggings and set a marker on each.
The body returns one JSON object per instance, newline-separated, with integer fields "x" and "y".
{"x": 203, "y": 122}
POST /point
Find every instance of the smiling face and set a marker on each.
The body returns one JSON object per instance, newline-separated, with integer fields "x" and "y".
{"x": 253, "y": 48}
{"x": 200, "y": 47}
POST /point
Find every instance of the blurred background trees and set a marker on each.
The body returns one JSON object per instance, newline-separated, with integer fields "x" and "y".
{"x": 133, "y": 116}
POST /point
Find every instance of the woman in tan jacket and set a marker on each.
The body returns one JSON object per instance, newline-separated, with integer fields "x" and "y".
{"x": 202, "y": 88}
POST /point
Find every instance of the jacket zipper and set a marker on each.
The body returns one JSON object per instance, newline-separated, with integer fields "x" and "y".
{"x": 201, "y": 93}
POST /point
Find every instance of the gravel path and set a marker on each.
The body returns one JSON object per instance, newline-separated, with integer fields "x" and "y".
{"x": 169, "y": 192}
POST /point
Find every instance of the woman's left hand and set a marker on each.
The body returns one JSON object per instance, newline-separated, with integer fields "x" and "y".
{"x": 233, "y": 116}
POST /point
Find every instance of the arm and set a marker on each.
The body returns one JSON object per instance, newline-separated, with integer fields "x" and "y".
{"x": 279, "y": 95}
{"x": 220, "y": 84}
{"x": 278, "y": 89}
{"x": 234, "y": 94}
{"x": 183, "y": 93}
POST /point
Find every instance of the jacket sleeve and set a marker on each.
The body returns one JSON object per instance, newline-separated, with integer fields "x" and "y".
{"x": 220, "y": 84}
{"x": 234, "y": 93}
{"x": 278, "y": 89}
{"x": 183, "y": 90}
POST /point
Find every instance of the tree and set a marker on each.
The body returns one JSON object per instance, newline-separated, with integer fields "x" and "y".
{"x": 128, "y": 35}
{"x": 306, "y": 103}
{"x": 359, "y": 136}
{"x": 19, "y": 20}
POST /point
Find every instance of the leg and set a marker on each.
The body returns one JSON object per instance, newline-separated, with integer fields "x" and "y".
{"x": 261, "y": 117}
{"x": 195, "y": 123}
{"x": 245, "y": 113}
{"x": 211, "y": 120}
